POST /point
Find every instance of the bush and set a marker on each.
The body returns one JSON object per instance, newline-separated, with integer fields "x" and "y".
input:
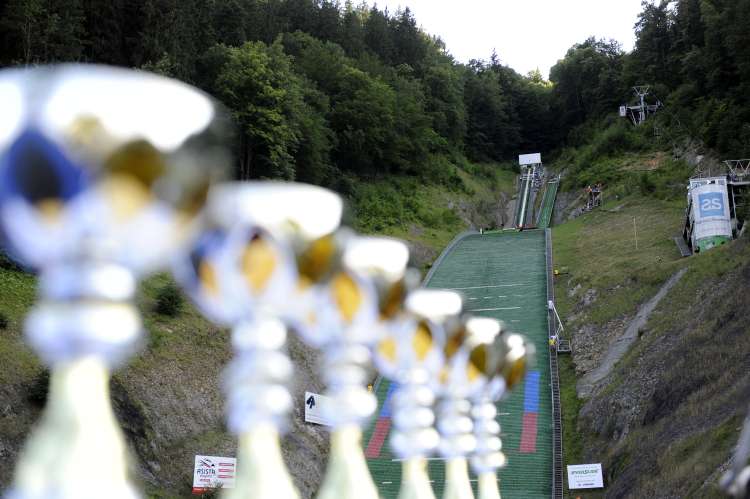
{"x": 7, "y": 263}
{"x": 646, "y": 184}
{"x": 618, "y": 138}
{"x": 671, "y": 179}
{"x": 449, "y": 219}
{"x": 169, "y": 300}
{"x": 37, "y": 390}
{"x": 3, "y": 321}
{"x": 439, "y": 170}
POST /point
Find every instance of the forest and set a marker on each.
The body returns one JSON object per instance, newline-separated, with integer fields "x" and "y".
{"x": 333, "y": 93}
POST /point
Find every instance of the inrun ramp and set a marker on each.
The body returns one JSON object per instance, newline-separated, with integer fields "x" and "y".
{"x": 525, "y": 200}
{"x": 501, "y": 275}
{"x": 548, "y": 204}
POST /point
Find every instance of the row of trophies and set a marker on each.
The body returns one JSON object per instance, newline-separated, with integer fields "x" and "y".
{"x": 107, "y": 174}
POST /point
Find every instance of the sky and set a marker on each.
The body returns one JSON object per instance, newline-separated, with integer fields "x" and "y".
{"x": 527, "y": 34}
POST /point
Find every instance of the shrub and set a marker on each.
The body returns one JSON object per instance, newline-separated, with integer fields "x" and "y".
{"x": 7, "y": 263}
{"x": 440, "y": 171}
{"x": 645, "y": 184}
{"x": 3, "y": 321}
{"x": 169, "y": 300}
{"x": 38, "y": 388}
{"x": 449, "y": 219}
{"x": 618, "y": 138}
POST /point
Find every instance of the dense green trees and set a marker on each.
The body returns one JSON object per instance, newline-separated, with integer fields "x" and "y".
{"x": 323, "y": 91}
{"x": 319, "y": 90}
{"x": 588, "y": 82}
{"x": 256, "y": 82}
{"x": 693, "y": 54}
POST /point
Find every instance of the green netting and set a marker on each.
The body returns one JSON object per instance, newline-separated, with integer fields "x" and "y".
{"x": 548, "y": 204}
{"x": 501, "y": 276}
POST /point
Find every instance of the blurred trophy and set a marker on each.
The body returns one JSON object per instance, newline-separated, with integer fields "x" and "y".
{"x": 362, "y": 299}
{"x": 473, "y": 354}
{"x": 102, "y": 172}
{"x": 257, "y": 268}
{"x": 736, "y": 480}
{"x": 411, "y": 354}
{"x": 514, "y": 355}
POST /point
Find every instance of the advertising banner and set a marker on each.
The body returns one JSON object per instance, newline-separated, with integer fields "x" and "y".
{"x": 315, "y": 405}
{"x": 530, "y": 159}
{"x": 711, "y": 204}
{"x": 585, "y": 476}
{"x": 213, "y": 472}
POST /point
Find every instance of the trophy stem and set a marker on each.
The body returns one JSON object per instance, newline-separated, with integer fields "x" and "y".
{"x": 84, "y": 324}
{"x": 487, "y": 457}
{"x": 78, "y": 431}
{"x": 347, "y": 476}
{"x": 261, "y": 469}
{"x": 345, "y": 371}
{"x": 457, "y": 442}
{"x": 488, "y": 487}
{"x": 457, "y": 484}
{"x": 415, "y": 482}
{"x": 414, "y": 436}
{"x": 258, "y": 403}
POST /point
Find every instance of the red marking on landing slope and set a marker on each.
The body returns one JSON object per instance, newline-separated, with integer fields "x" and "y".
{"x": 378, "y": 438}
{"x": 528, "y": 434}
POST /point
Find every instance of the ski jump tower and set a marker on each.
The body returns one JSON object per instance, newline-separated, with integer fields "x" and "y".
{"x": 642, "y": 110}
{"x": 531, "y": 174}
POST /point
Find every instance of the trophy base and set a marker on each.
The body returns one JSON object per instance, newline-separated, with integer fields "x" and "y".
{"x": 78, "y": 450}
{"x": 457, "y": 484}
{"x": 415, "y": 482}
{"x": 261, "y": 470}
{"x": 488, "y": 486}
{"x": 347, "y": 476}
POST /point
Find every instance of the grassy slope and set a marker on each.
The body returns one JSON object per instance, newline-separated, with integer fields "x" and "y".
{"x": 430, "y": 216}
{"x": 644, "y": 425}
{"x": 168, "y": 397}
{"x": 597, "y": 250}
{"x": 696, "y": 341}
{"x": 20, "y": 369}
{"x": 174, "y": 348}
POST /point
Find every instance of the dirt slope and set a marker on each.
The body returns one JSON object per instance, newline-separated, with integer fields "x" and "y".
{"x": 167, "y": 399}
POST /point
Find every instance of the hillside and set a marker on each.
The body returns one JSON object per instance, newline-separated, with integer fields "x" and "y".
{"x": 428, "y": 216}
{"x": 665, "y": 418}
{"x": 168, "y": 398}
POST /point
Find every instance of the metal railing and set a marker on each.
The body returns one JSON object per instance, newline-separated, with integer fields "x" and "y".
{"x": 557, "y": 450}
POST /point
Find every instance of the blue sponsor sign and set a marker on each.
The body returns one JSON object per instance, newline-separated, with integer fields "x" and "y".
{"x": 711, "y": 204}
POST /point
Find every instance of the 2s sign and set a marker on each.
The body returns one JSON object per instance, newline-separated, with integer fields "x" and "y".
{"x": 711, "y": 204}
